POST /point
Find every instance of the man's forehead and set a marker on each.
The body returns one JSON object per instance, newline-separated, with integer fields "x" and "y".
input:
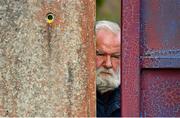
{"x": 108, "y": 36}
{"x": 108, "y": 40}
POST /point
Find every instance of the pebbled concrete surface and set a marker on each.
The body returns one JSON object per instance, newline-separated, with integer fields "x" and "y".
{"x": 47, "y": 69}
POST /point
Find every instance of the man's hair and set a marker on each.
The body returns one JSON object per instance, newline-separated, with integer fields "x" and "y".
{"x": 104, "y": 24}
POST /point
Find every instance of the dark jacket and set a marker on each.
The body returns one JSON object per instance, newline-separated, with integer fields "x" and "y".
{"x": 108, "y": 104}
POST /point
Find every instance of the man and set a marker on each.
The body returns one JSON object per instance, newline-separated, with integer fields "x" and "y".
{"x": 108, "y": 69}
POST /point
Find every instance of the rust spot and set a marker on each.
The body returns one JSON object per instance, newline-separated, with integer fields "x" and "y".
{"x": 48, "y": 28}
{"x": 88, "y": 105}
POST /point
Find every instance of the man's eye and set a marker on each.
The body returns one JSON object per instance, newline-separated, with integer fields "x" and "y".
{"x": 116, "y": 56}
{"x": 99, "y": 54}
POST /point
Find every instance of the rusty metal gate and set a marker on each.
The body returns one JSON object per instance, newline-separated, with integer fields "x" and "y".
{"x": 47, "y": 58}
{"x": 151, "y": 58}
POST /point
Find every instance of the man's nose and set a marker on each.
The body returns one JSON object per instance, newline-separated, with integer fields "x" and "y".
{"x": 108, "y": 63}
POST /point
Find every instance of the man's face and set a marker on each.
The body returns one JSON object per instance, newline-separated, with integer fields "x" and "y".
{"x": 107, "y": 59}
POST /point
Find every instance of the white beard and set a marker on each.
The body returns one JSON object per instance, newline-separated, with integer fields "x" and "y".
{"x": 109, "y": 82}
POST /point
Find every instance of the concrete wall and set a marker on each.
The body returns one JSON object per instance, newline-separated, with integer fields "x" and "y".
{"x": 47, "y": 69}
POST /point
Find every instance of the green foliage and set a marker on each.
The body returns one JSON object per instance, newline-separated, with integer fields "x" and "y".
{"x": 99, "y": 3}
{"x": 108, "y": 10}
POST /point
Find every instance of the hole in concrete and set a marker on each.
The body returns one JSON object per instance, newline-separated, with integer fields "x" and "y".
{"x": 50, "y": 17}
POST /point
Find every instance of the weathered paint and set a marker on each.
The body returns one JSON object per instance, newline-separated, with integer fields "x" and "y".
{"x": 160, "y": 21}
{"x": 47, "y": 69}
{"x": 151, "y": 58}
{"x": 160, "y": 45}
{"x": 130, "y": 58}
{"x": 160, "y": 92}
{"x": 160, "y": 58}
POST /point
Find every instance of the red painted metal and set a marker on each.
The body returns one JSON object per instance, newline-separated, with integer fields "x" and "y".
{"x": 160, "y": 45}
{"x": 160, "y": 58}
{"x": 130, "y": 58}
{"x": 150, "y": 58}
{"x": 160, "y": 92}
